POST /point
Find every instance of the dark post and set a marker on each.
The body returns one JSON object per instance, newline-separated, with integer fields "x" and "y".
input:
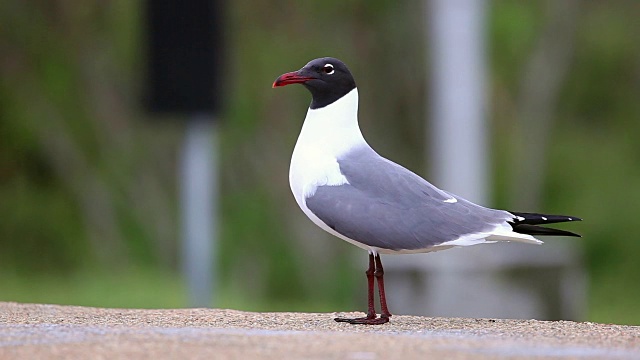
{"x": 184, "y": 76}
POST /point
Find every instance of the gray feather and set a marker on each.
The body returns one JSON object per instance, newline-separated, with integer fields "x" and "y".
{"x": 387, "y": 206}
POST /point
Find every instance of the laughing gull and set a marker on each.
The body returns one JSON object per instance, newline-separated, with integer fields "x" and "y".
{"x": 350, "y": 191}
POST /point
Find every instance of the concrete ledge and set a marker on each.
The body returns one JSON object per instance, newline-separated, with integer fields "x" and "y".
{"x": 30, "y": 331}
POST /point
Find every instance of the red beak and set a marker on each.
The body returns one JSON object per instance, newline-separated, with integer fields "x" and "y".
{"x": 291, "y": 78}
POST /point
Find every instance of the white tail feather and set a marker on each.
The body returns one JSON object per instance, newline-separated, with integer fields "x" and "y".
{"x": 501, "y": 232}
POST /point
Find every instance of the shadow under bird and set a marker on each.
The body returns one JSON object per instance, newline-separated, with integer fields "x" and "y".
{"x": 350, "y": 191}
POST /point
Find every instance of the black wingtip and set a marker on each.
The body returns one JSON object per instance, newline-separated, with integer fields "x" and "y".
{"x": 540, "y": 230}
{"x": 527, "y": 223}
{"x": 537, "y": 219}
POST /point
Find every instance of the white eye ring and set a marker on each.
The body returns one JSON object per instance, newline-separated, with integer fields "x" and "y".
{"x": 328, "y": 69}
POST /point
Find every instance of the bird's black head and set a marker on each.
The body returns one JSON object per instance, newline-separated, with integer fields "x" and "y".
{"x": 327, "y": 78}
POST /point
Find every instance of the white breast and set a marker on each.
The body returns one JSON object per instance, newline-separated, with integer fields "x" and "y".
{"x": 327, "y": 133}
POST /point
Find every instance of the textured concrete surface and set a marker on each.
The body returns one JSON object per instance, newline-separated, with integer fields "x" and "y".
{"x": 29, "y": 331}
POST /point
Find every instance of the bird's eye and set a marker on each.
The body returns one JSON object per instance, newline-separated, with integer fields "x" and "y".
{"x": 328, "y": 69}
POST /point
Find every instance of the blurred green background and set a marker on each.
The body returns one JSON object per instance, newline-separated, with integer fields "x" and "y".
{"x": 88, "y": 206}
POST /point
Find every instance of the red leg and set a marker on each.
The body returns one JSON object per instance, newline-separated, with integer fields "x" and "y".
{"x": 375, "y": 269}
{"x": 371, "y": 312}
{"x": 379, "y": 274}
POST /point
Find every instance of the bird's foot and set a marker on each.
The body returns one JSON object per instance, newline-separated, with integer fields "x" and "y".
{"x": 367, "y": 320}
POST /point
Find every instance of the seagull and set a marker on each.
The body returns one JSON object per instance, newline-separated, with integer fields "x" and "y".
{"x": 350, "y": 191}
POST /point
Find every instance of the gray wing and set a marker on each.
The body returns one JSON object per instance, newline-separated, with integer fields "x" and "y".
{"x": 387, "y": 206}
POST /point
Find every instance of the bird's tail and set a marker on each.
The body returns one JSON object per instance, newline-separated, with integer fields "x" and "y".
{"x": 528, "y": 223}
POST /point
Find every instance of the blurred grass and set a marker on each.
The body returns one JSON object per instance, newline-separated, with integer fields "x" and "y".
{"x": 135, "y": 288}
{"x": 141, "y": 288}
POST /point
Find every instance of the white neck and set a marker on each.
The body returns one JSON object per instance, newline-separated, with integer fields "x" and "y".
{"x": 334, "y": 128}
